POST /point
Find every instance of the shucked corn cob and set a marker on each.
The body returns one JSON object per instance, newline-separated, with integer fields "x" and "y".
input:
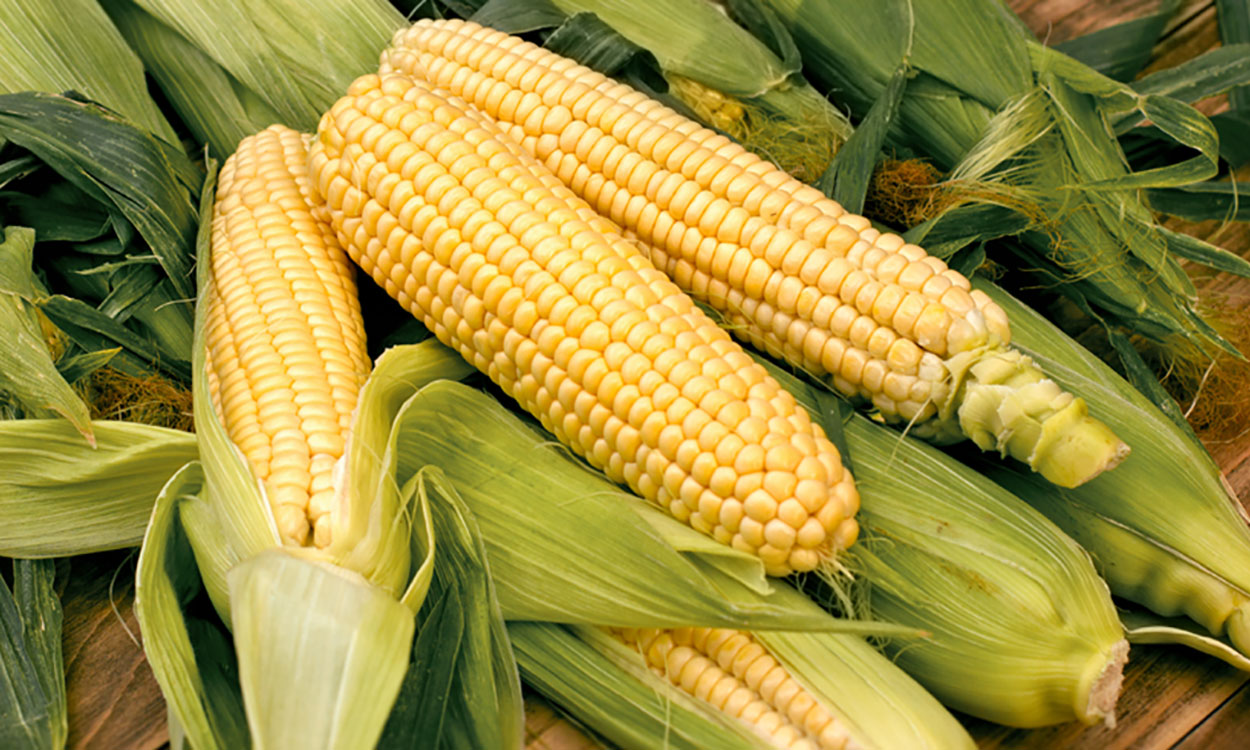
{"x": 791, "y": 271}
{"x": 737, "y": 675}
{"x": 286, "y": 345}
{"x": 512, "y": 270}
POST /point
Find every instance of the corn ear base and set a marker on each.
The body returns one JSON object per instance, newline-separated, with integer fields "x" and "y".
{"x": 322, "y": 652}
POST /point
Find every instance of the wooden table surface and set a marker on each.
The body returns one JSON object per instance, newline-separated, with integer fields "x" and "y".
{"x": 1172, "y": 698}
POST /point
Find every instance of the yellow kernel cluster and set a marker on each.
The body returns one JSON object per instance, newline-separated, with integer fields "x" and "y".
{"x": 734, "y": 673}
{"x": 285, "y": 339}
{"x": 509, "y": 268}
{"x": 793, "y": 273}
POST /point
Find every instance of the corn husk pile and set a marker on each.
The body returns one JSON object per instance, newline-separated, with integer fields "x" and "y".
{"x": 475, "y": 555}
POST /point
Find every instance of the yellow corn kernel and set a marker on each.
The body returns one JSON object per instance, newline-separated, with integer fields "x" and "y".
{"x": 548, "y": 248}
{"x": 286, "y": 343}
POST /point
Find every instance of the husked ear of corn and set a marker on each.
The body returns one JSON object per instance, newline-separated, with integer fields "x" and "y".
{"x": 792, "y": 272}
{"x": 735, "y": 673}
{"x": 510, "y": 269}
{"x": 286, "y": 343}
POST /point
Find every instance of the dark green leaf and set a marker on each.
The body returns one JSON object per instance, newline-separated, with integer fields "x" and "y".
{"x": 959, "y": 227}
{"x": 1122, "y": 50}
{"x": 1143, "y": 379}
{"x": 846, "y": 180}
{"x": 28, "y": 694}
{"x": 1213, "y": 72}
{"x": 110, "y": 246}
{"x": 1234, "y": 130}
{"x": 18, "y": 167}
{"x": 27, "y": 371}
{"x": 1205, "y": 253}
{"x": 515, "y": 17}
{"x": 420, "y": 709}
{"x": 117, "y": 164}
{"x": 93, "y": 330}
{"x": 1221, "y": 201}
{"x": 765, "y": 26}
{"x": 131, "y": 284}
{"x": 592, "y": 43}
{"x": 52, "y": 219}
{"x": 78, "y": 366}
{"x": 484, "y": 707}
{"x": 40, "y": 608}
{"x": 1234, "y": 23}
{"x": 967, "y": 260}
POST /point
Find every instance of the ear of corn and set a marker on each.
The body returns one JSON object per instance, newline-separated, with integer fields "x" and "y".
{"x": 1039, "y": 119}
{"x": 1163, "y": 528}
{"x": 314, "y": 671}
{"x": 701, "y": 688}
{"x": 792, "y": 272}
{"x": 531, "y": 287}
{"x": 1023, "y": 631}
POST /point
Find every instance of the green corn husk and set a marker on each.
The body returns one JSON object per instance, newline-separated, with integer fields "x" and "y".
{"x": 33, "y": 711}
{"x": 63, "y": 497}
{"x": 28, "y": 373}
{"x": 1032, "y": 122}
{"x": 1162, "y": 527}
{"x": 1023, "y": 630}
{"x": 729, "y": 79}
{"x": 607, "y": 687}
{"x": 217, "y": 109}
{"x": 297, "y": 57}
{"x": 70, "y": 45}
{"x": 540, "y": 510}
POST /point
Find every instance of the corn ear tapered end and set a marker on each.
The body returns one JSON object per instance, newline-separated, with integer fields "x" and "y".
{"x": 1085, "y": 450}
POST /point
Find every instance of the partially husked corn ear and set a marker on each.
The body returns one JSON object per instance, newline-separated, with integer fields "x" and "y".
{"x": 286, "y": 343}
{"x": 735, "y": 673}
{"x": 528, "y": 284}
{"x": 791, "y": 271}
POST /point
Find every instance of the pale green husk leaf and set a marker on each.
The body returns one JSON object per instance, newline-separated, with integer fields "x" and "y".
{"x": 72, "y": 45}
{"x": 543, "y": 516}
{"x": 310, "y": 637}
{"x": 63, "y": 497}
{"x": 876, "y": 701}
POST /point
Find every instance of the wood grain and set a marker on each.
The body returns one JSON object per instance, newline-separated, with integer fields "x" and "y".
{"x": 114, "y": 701}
